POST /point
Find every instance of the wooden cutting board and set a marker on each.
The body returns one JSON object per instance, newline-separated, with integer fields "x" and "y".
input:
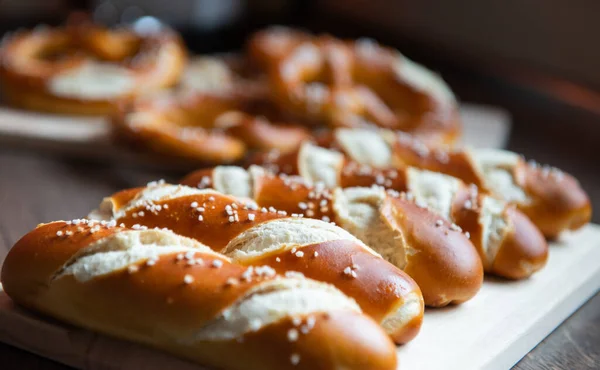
{"x": 492, "y": 331}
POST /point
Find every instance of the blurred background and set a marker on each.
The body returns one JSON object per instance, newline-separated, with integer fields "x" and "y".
{"x": 537, "y": 59}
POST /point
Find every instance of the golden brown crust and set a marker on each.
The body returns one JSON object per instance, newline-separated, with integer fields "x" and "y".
{"x": 523, "y": 250}
{"x": 293, "y": 196}
{"x": 356, "y": 344}
{"x": 30, "y": 59}
{"x": 183, "y": 218}
{"x": 379, "y": 289}
{"x": 458, "y": 164}
{"x": 48, "y": 251}
{"x": 557, "y": 200}
{"x": 446, "y": 266}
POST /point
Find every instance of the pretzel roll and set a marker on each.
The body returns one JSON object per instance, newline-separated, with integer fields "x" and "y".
{"x": 139, "y": 285}
{"x": 552, "y": 199}
{"x": 256, "y": 237}
{"x": 358, "y": 83}
{"x": 85, "y": 69}
{"x": 323, "y": 252}
{"x": 441, "y": 260}
{"x": 492, "y": 225}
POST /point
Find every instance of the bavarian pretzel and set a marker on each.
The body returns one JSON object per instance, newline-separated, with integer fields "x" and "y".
{"x": 175, "y": 294}
{"x": 204, "y": 127}
{"x": 551, "y": 198}
{"x": 217, "y": 115}
{"x": 358, "y": 83}
{"x": 441, "y": 260}
{"x": 255, "y": 236}
{"x": 83, "y": 68}
{"x": 509, "y": 244}
{"x": 230, "y": 74}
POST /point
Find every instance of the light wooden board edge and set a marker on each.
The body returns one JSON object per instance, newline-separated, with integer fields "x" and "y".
{"x": 582, "y": 288}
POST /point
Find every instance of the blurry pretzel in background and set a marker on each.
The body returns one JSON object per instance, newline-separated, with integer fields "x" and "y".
{"x": 355, "y": 84}
{"x": 84, "y": 68}
{"x": 215, "y": 116}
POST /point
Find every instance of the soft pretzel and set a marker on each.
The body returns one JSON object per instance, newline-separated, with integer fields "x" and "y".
{"x": 254, "y": 237}
{"x": 216, "y": 116}
{"x": 509, "y": 244}
{"x": 267, "y": 47}
{"x": 441, "y": 260}
{"x": 552, "y": 199}
{"x": 357, "y": 83}
{"x": 85, "y": 69}
{"x": 230, "y": 74}
{"x": 175, "y": 294}
{"x": 204, "y": 127}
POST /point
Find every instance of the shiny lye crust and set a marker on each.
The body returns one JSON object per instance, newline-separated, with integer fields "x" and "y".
{"x": 174, "y": 294}
{"x": 355, "y": 84}
{"x": 215, "y": 125}
{"x": 84, "y": 69}
{"x": 440, "y": 258}
{"x": 551, "y": 198}
{"x": 494, "y": 226}
{"x": 258, "y": 236}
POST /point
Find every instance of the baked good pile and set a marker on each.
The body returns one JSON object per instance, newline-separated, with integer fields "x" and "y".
{"x": 336, "y": 206}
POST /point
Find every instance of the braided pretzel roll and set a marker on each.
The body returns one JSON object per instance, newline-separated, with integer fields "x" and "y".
{"x": 552, "y": 199}
{"x": 141, "y": 285}
{"x": 255, "y": 237}
{"x": 509, "y": 244}
{"x": 85, "y": 69}
{"x": 356, "y": 83}
{"x": 441, "y": 260}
